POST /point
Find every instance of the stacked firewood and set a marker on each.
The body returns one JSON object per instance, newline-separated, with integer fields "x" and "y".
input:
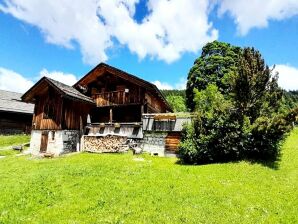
{"x": 109, "y": 143}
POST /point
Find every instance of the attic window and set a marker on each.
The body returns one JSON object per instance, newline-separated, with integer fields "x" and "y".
{"x": 49, "y": 112}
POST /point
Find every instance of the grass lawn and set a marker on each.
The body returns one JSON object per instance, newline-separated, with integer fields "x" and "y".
{"x": 10, "y": 140}
{"x": 7, "y": 141}
{"x": 115, "y": 188}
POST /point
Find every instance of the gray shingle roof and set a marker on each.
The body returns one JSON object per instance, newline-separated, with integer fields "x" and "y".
{"x": 70, "y": 91}
{"x": 11, "y": 102}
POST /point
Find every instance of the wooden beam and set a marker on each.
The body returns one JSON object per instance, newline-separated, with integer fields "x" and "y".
{"x": 165, "y": 117}
{"x": 111, "y": 115}
{"x": 142, "y": 109}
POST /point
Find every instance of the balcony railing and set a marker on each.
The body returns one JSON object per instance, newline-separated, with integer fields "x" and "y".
{"x": 115, "y": 98}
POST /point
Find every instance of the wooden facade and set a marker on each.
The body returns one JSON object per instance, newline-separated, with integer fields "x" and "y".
{"x": 15, "y": 123}
{"x": 113, "y": 100}
{"x": 57, "y": 109}
{"x": 119, "y": 96}
{"x": 15, "y": 115}
{"x": 107, "y": 94}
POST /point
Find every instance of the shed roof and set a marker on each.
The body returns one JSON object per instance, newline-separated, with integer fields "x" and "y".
{"x": 11, "y": 102}
{"x": 65, "y": 90}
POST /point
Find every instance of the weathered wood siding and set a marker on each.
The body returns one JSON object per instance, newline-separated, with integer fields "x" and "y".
{"x": 40, "y": 122}
{"x": 68, "y": 114}
{"x": 13, "y": 123}
{"x": 172, "y": 141}
{"x": 153, "y": 104}
{"x": 74, "y": 115}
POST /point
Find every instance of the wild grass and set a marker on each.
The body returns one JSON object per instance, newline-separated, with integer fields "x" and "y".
{"x": 116, "y": 188}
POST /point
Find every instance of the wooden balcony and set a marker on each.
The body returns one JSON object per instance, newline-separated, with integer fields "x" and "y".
{"x": 115, "y": 98}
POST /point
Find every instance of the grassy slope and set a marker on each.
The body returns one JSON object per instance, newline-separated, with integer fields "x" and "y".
{"x": 10, "y": 140}
{"x": 7, "y": 141}
{"x": 92, "y": 188}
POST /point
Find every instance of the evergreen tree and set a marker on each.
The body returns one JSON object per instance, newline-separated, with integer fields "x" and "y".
{"x": 216, "y": 65}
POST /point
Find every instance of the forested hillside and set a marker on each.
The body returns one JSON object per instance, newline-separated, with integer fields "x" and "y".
{"x": 177, "y": 99}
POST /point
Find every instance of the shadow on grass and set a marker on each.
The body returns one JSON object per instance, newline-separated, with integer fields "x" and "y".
{"x": 272, "y": 164}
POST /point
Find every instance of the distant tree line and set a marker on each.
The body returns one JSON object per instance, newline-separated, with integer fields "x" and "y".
{"x": 177, "y": 99}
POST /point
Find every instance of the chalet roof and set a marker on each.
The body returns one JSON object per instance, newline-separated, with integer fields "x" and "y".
{"x": 148, "y": 85}
{"x": 65, "y": 90}
{"x": 11, "y": 102}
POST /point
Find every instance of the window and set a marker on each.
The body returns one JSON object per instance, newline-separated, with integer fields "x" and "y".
{"x": 53, "y": 135}
{"x": 163, "y": 125}
{"x": 49, "y": 112}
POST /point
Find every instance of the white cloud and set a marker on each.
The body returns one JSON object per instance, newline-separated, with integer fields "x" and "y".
{"x": 65, "y": 22}
{"x": 164, "y": 85}
{"x": 257, "y": 13}
{"x": 170, "y": 29}
{"x": 12, "y": 81}
{"x": 288, "y": 77}
{"x": 68, "y": 79}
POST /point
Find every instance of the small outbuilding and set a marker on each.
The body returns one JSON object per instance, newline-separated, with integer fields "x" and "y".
{"x": 15, "y": 115}
{"x": 60, "y": 115}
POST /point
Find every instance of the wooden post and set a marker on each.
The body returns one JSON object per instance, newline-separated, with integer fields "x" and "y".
{"x": 111, "y": 115}
{"x": 142, "y": 109}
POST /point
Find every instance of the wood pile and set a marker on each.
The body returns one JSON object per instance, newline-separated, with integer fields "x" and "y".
{"x": 102, "y": 144}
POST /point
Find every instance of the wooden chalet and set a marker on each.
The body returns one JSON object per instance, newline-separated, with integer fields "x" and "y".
{"x": 106, "y": 94}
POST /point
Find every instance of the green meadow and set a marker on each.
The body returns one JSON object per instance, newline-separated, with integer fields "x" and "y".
{"x": 123, "y": 188}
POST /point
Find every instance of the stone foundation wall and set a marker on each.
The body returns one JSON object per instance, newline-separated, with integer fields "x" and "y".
{"x": 71, "y": 141}
{"x": 154, "y": 143}
{"x": 35, "y": 142}
{"x": 59, "y": 141}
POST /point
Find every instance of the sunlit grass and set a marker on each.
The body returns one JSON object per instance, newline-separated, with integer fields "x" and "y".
{"x": 115, "y": 188}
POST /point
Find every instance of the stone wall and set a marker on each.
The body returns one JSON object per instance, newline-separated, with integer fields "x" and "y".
{"x": 35, "y": 142}
{"x": 154, "y": 143}
{"x": 59, "y": 141}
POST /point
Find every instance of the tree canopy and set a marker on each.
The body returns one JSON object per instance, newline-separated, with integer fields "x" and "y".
{"x": 216, "y": 65}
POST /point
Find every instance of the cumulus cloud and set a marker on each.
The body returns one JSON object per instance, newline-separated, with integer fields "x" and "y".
{"x": 65, "y": 22}
{"x": 12, "y": 81}
{"x": 68, "y": 79}
{"x": 257, "y": 13}
{"x": 170, "y": 29}
{"x": 288, "y": 77}
{"x": 181, "y": 84}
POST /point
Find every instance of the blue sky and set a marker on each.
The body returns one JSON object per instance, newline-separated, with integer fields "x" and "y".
{"x": 157, "y": 40}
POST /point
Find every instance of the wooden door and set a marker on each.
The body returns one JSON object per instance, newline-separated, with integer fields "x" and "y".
{"x": 44, "y": 141}
{"x": 172, "y": 141}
